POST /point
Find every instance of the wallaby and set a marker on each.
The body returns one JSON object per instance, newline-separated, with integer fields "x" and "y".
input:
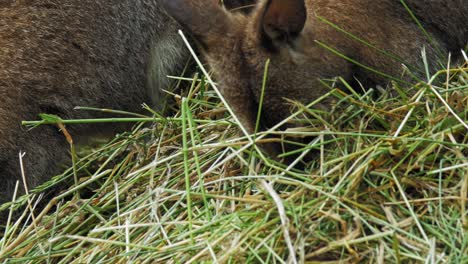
{"x": 58, "y": 54}
{"x": 290, "y": 34}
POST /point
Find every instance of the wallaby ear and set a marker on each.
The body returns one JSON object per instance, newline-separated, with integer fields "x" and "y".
{"x": 282, "y": 20}
{"x": 205, "y": 20}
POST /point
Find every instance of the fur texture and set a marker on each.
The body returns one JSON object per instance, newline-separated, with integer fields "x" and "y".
{"x": 58, "y": 54}
{"x": 238, "y": 46}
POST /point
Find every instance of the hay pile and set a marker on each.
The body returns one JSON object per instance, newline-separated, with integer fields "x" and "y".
{"x": 388, "y": 184}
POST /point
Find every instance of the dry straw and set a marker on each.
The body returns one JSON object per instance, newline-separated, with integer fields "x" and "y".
{"x": 387, "y": 184}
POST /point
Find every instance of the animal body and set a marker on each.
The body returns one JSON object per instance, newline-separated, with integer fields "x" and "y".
{"x": 58, "y": 54}
{"x": 297, "y": 35}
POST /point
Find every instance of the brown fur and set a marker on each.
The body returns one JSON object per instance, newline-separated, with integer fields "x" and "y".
{"x": 237, "y": 46}
{"x": 58, "y": 54}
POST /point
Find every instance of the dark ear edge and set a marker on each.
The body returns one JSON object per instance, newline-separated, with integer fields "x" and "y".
{"x": 243, "y": 6}
{"x": 205, "y": 21}
{"x": 281, "y": 22}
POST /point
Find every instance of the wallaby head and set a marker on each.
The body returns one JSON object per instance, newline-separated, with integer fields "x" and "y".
{"x": 58, "y": 54}
{"x": 294, "y": 36}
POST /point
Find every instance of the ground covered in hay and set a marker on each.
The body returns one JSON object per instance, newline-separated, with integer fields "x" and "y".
{"x": 387, "y": 183}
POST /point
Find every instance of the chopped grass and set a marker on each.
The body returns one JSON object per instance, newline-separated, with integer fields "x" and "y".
{"x": 387, "y": 184}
